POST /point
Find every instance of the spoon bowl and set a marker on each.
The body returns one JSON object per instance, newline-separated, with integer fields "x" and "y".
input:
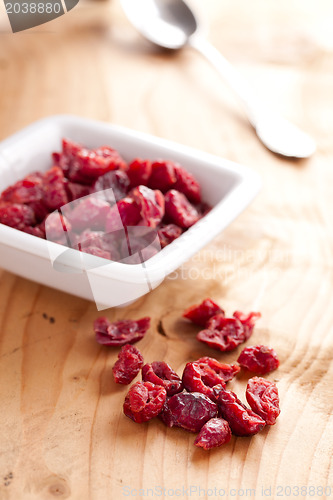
{"x": 171, "y": 24}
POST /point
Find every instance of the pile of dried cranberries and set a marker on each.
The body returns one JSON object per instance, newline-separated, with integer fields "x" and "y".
{"x": 198, "y": 401}
{"x": 160, "y": 199}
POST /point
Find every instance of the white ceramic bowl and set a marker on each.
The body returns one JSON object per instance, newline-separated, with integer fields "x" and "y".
{"x": 227, "y": 186}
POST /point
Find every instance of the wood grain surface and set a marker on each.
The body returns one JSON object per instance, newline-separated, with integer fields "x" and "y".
{"x": 62, "y": 430}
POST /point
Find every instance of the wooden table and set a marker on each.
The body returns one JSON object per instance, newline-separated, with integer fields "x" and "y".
{"x": 63, "y": 433}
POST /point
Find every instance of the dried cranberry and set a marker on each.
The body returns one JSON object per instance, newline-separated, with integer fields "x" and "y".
{"x": 139, "y": 172}
{"x": 98, "y": 252}
{"x": 242, "y": 420}
{"x": 121, "y": 332}
{"x": 88, "y": 213}
{"x": 57, "y": 228}
{"x": 248, "y": 321}
{"x": 54, "y": 190}
{"x": 124, "y": 213}
{"x": 179, "y": 210}
{"x": 76, "y": 190}
{"x": 258, "y": 359}
{"x": 214, "y": 433}
{"x": 139, "y": 244}
{"x": 34, "y": 231}
{"x": 262, "y": 395}
{"x": 187, "y": 184}
{"x": 201, "y": 313}
{"x": 223, "y": 334}
{"x": 205, "y": 373}
{"x": 117, "y": 180}
{"x": 150, "y": 203}
{"x": 189, "y": 410}
{"x": 16, "y": 215}
{"x": 90, "y": 164}
{"x": 144, "y": 401}
{"x": 160, "y": 373}
{"x": 128, "y": 365}
{"x": 168, "y": 233}
{"x": 25, "y": 191}
{"x": 162, "y": 176}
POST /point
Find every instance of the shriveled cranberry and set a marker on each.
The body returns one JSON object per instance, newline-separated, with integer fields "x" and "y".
{"x": 214, "y": 433}
{"x": 150, "y": 203}
{"x": 88, "y": 213}
{"x": 25, "y": 191}
{"x": 139, "y": 172}
{"x": 16, "y": 215}
{"x": 76, "y": 190}
{"x": 221, "y": 333}
{"x": 258, "y": 359}
{"x": 168, "y": 233}
{"x": 160, "y": 373}
{"x": 248, "y": 321}
{"x": 128, "y": 365}
{"x": 205, "y": 373}
{"x": 117, "y": 180}
{"x": 139, "y": 244}
{"x": 179, "y": 211}
{"x": 98, "y": 252}
{"x": 242, "y": 420}
{"x": 57, "y": 228}
{"x": 90, "y": 164}
{"x": 54, "y": 190}
{"x": 162, "y": 175}
{"x": 189, "y": 410}
{"x": 34, "y": 231}
{"x": 121, "y": 332}
{"x": 124, "y": 213}
{"x": 263, "y": 397}
{"x": 187, "y": 184}
{"x": 144, "y": 401}
{"x": 69, "y": 151}
{"x": 201, "y": 313}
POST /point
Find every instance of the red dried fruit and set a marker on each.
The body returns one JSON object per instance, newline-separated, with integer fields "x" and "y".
{"x": 187, "y": 184}
{"x": 124, "y": 213}
{"x": 201, "y": 313}
{"x": 179, "y": 210}
{"x": 57, "y": 227}
{"x": 144, "y": 401}
{"x": 226, "y": 334}
{"x": 258, "y": 359}
{"x": 168, "y": 233}
{"x": 223, "y": 334}
{"x": 98, "y": 252}
{"x": 139, "y": 172}
{"x": 128, "y": 365}
{"x": 160, "y": 373}
{"x": 242, "y": 420}
{"x": 214, "y": 433}
{"x": 162, "y": 175}
{"x": 34, "y": 231}
{"x": 189, "y": 410}
{"x": 248, "y": 321}
{"x": 150, "y": 204}
{"x": 88, "y": 213}
{"x": 90, "y": 164}
{"x": 117, "y": 180}
{"x": 205, "y": 373}
{"x": 121, "y": 332}
{"x": 16, "y": 215}
{"x": 25, "y": 191}
{"x": 54, "y": 189}
{"x": 76, "y": 190}
{"x": 262, "y": 395}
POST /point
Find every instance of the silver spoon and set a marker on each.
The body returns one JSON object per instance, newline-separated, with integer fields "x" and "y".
{"x": 171, "y": 24}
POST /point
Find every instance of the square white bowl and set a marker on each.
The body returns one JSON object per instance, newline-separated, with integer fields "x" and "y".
{"x": 227, "y": 186}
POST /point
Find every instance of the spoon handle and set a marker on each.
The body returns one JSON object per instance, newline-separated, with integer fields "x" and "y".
{"x": 229, "y": 74}
{"x": 276, "y": 133}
